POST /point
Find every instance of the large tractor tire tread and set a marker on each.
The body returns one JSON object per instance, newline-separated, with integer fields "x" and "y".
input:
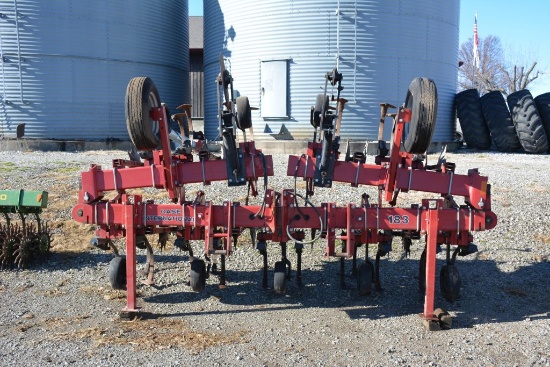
{"x": 498, "y": 119}
{"x": 474, "y": 129}
{"x": 527, "y": 121}
{"x": 543, "y": 106}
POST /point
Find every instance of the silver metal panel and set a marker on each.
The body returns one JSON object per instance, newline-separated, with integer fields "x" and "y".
{"x": 379, "y": 47}
{"x": 274, "y": 84}
{"x": 67, "y": 63}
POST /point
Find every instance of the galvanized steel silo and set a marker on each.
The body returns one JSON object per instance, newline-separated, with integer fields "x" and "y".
{"x": 287, "y": 46}
{"x": 66, "y": 63}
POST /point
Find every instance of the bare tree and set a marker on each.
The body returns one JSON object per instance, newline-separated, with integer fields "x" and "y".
{"x": 489, "y": 75}
{"x": 518, "y": 77}
{"x": 493, "y": 73}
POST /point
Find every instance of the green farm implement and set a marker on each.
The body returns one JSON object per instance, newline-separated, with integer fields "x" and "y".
{"x": 23, "y": 241}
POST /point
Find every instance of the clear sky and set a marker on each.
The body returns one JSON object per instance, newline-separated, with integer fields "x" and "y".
{"x": 523, "y": 28}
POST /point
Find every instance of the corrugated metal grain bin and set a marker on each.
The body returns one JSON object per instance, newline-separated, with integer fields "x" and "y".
{"x": 66, "y": 63}
{"x": 279, "y": 51}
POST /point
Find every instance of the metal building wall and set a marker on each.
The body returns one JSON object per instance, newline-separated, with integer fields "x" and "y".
{"x": 380, "y": 46}
{"x": 66, "y": 63}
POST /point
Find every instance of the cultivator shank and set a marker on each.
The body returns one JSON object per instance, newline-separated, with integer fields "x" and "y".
{"x": 280, "y": 217}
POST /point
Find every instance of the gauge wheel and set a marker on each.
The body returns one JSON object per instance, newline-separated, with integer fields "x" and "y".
{"x": 198, "y": 275}
{"x": 449, "y": 281}
{"x": 364, "y": 278}
{"x": 117, "y": 272}
{"x": 279, "y": 277}
{"x": 244, "y": 113}
{"x": 141, "y": 96}
{"x": 422, "y": 100}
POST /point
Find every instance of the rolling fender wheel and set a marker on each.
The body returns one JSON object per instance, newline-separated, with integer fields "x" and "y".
{"x": 279, "y": 277}
{"x": 117, "y": 273}
{"x": 364, "y": 278}
{"x": 449, "y": 280}
{"x": 198, "y": 275}
{"x": 141, "y": 96}
{"x": 422, "y": 100}
{"x": 244, "y": 113}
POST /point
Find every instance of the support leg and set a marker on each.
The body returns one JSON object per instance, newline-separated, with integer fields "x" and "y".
{"x": 285, "y": 259}
{"x": 222, "y": 273}
{"x": 343, "y": 267}
{"x": 131, "y": 308}
{"x": 298, "y": 246}
{"x": 265, "y": 270}
{"x": 431, "y": 248}
{"x": 377, "y": 283}
{"x": 354, "y": 261}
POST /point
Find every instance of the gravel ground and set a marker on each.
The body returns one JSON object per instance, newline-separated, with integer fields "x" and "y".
{"x": 63, "y": 312}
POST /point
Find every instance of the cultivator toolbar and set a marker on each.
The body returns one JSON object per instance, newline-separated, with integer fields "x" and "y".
{"x": 20, "y": 244}
{"x": 281, "y": 217}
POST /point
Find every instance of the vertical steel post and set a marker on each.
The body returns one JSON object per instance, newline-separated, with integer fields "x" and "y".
{"x": 431, "y": 245}
{"x": 130, "y": 258}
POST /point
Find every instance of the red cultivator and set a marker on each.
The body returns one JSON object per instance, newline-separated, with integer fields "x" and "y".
{"x": 280, "y": 217}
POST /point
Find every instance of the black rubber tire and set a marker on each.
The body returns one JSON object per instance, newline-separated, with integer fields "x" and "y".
{"x": 422, "y": 272}
{"x": 141, "y": 96}
{"x": 117, "y": 272}
{"x": 318, "y": 109}
{"x": 244, "y": 113}
{"x": 197, "y": 277}
{"x": 527, "y": 122}
{"x": 364, "y": 278}
{"x": 474, "y": 129}
{"x": 498, "y": 119}
{"x": 422, "y": 100}
{"x": 543, "y": 106}
{"x": 449, "y": 281}
{"x": 279, "y": 277}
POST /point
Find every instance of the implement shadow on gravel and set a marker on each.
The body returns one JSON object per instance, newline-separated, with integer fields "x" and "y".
{"x": 488, "y": 295}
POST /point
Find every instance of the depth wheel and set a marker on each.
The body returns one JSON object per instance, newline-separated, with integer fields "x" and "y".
{"x": 197, "y": 275}
{"x": 422, "y": 100}
{"x": 279, "y": 277}
{"x": 364, "y": 278}
{"x": 449, "y": 281}
{"x": 141, "y": 96}
{"x": 244, "y": 113}
{"x": 117, "y": 272}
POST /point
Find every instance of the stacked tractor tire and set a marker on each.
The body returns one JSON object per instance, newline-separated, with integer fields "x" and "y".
{"x": 519, "y": 123}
